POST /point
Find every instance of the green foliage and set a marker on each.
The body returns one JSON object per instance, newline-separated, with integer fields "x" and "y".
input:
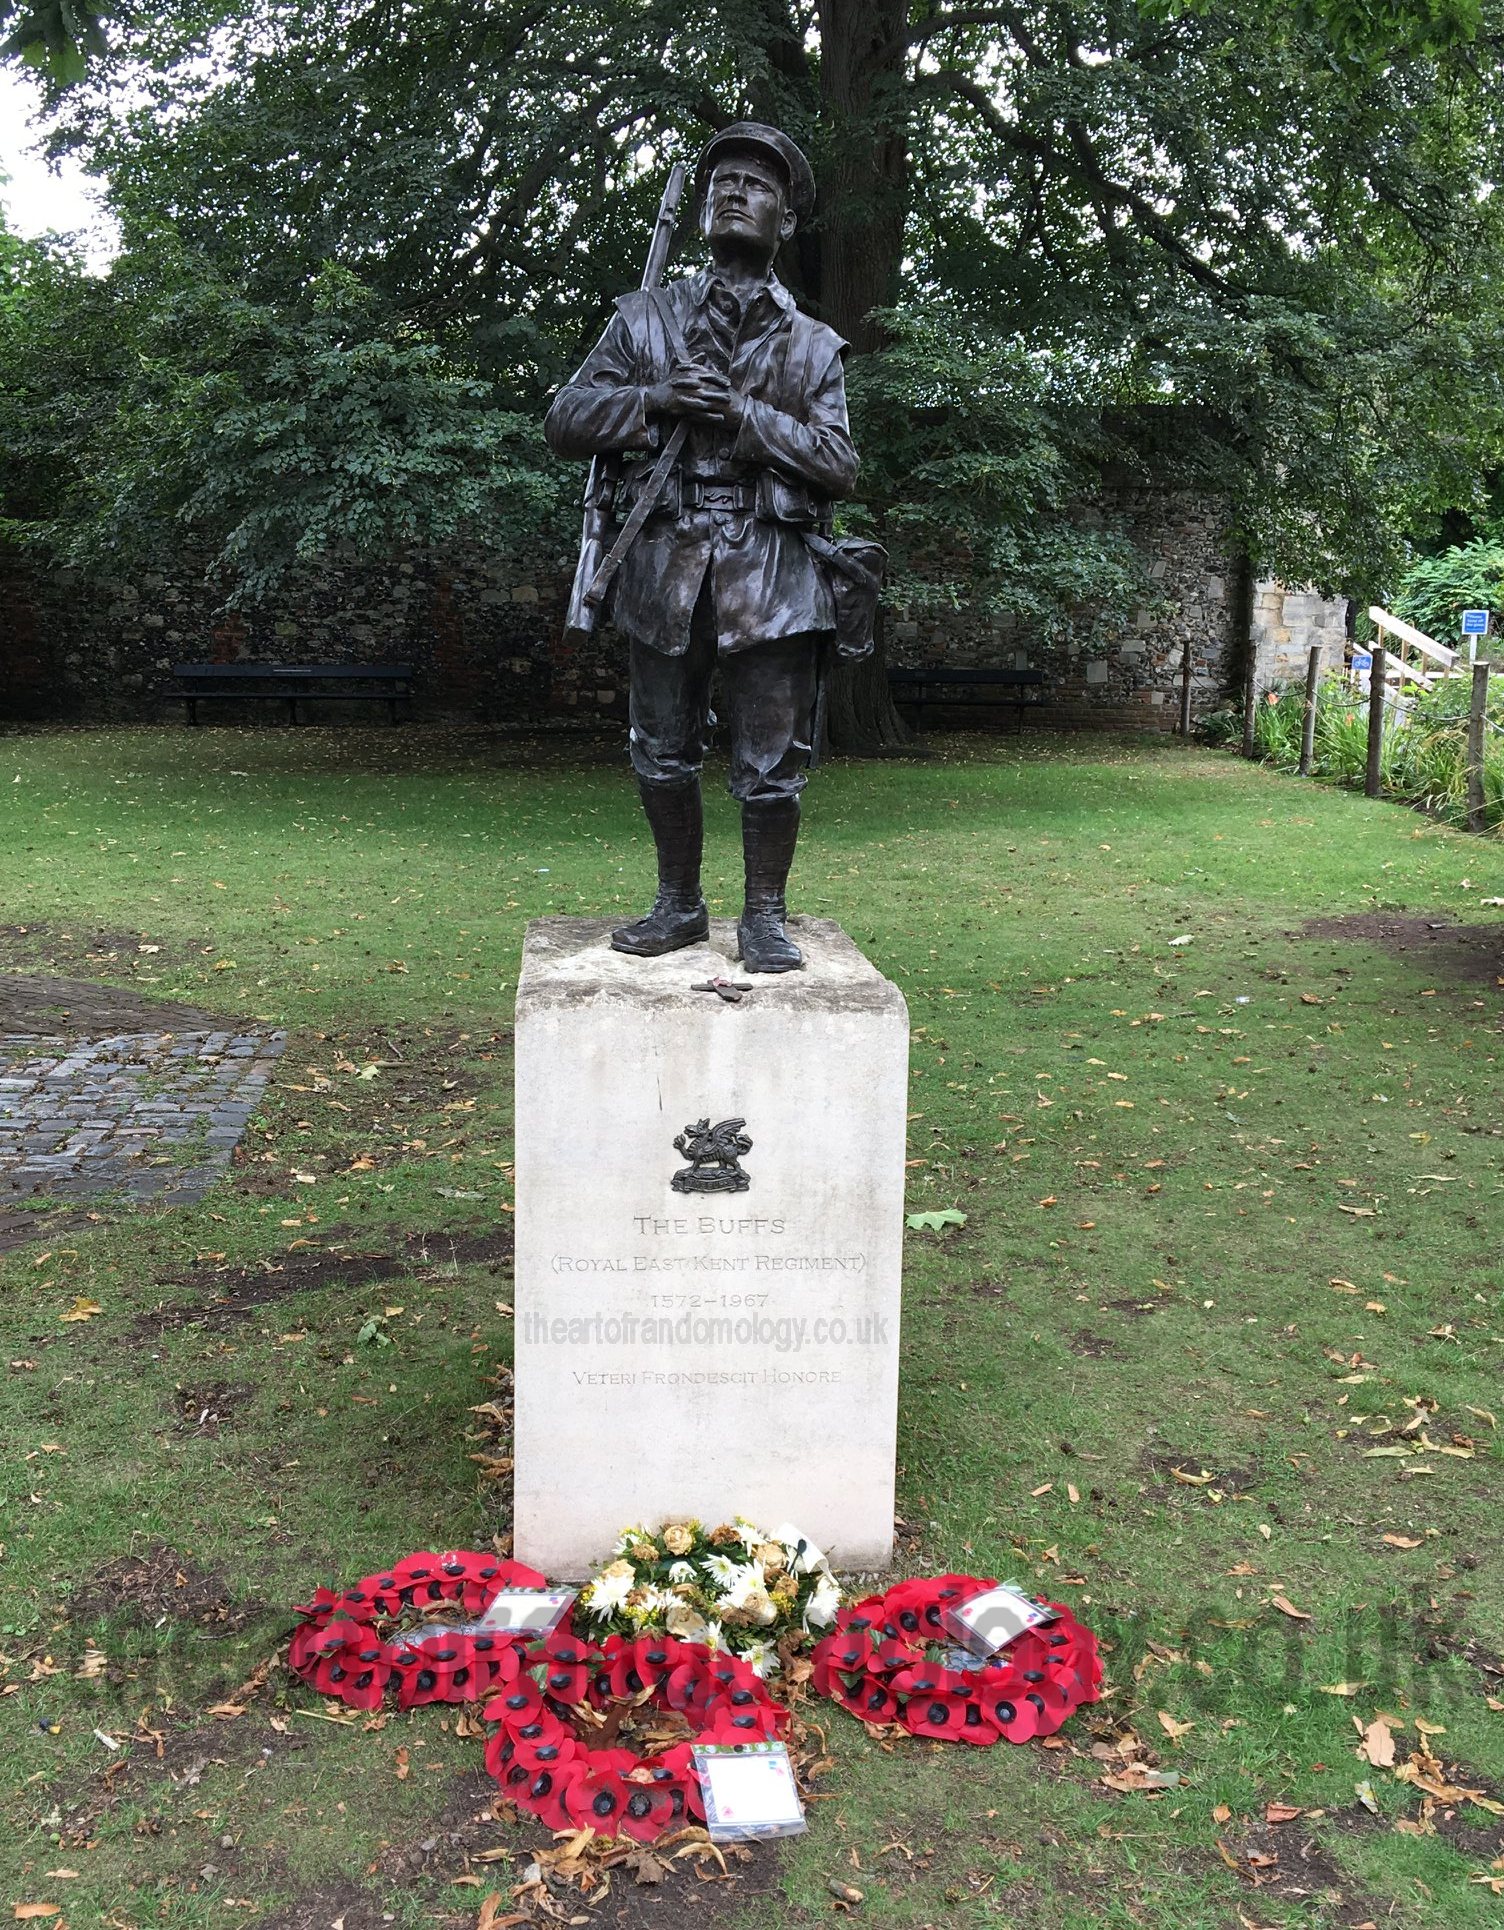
{"x": 167, "y": 405}
{"x": 1434, "y": 592}
{"x": 980, "y": 459}
{"x": 56, "y": 36}
{"x": 1238, "y": 247}
{"x": 1367, "y": 32}
{"x": 1423, "y": 759}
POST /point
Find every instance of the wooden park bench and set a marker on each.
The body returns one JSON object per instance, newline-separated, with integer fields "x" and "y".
{"x": 938, "y": 684}
{"x": 292, "y": 683}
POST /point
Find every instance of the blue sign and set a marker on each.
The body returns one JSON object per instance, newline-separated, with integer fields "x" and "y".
{"x": 1362, "y": 660}
{"x": 1475, "y": 623}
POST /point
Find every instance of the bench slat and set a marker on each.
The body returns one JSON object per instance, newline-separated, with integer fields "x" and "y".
{"x": 290, "y": 683}
{"x": 1010, "y": 679}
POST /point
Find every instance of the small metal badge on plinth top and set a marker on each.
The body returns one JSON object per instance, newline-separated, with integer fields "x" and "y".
{"x": 714, "y": 1155}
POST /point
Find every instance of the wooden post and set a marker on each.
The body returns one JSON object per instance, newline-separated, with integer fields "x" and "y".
{"x": 1476, "y": 719}
{"x": 1308, "y": 718}
{"x": 1375, "y": 719}
{"x": 1185, "y": 688}
{"x": 1247, "y": 603}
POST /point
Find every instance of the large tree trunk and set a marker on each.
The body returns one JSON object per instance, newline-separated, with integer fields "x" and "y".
{"x": 864, "y": 190}
{"x": 864, "y": 182}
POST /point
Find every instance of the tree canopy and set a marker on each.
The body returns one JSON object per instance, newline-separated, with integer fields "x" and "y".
{"x": 364, "y": 238}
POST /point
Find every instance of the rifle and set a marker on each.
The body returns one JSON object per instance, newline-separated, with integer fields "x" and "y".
{"x": 600, "y": 486}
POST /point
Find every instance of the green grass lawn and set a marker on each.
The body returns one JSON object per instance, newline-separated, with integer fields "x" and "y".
{"x": 1233, "y": 1228}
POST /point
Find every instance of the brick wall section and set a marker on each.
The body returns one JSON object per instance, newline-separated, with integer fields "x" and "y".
{"x": 486, "y": 634}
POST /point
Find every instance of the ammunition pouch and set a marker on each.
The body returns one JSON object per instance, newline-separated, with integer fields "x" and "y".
{"x": 780, "y": 501}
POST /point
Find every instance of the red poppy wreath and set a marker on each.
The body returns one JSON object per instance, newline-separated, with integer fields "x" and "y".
{"x": 339, "y": 1652}
{"x": 569, "y": 1688}
{"x": 878, "y": 1664}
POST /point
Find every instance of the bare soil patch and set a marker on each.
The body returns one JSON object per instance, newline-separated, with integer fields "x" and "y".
{"x": 210, "y": 1409}
{"x": 1167, "y": 1464}
{"x": 78, "y": 1008}
{"x": 1090, "y": 1346}
{"x": 143, "y": 1588}
{"x": 1289, "y": 1865}
{"x": 1473, "y": 1832}
{"x": 23, "y": 1228}
{"x": 230, "y": 1294}
{"x": 1459, "y": 954}
{"x": 342, "y": 1903}
{"x": 82, "y": 944}
{"x": 465, "y": 1824}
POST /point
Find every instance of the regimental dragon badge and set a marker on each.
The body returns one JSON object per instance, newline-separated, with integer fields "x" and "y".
{"x": 714, "y": 1154}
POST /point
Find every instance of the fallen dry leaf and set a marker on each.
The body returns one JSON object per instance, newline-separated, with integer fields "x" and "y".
{"x": 490, "y": 1917}
{"x": 26, "y": 1911}
{"x": 1404, "y": 1541}
{"x": 1377, "y": 1745}
{"x": 1281, "y": 1812}
{"x": 1287, "y": 1607}
{"x": 1340, "y": 1688}
{"x": 1173, "y": 1729}
{"x": 646, "y": 1867}
{"x": 82, "y": 1309}
{"x": 403, "y": 1765}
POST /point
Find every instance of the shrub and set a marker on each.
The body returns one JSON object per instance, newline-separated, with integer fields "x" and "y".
{"x": 1424, "y": 756}
{"x": 1434, "y": 592}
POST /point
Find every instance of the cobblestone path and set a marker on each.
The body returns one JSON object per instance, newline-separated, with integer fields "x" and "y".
{"x": 104, "y": 1092}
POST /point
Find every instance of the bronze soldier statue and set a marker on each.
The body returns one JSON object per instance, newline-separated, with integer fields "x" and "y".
{"x": 719, "y": 409}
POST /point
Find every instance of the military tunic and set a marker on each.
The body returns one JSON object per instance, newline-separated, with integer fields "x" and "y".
{"x": 741, "y": 495}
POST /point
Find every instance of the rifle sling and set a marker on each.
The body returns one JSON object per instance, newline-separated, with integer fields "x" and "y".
{"x": 649, "y": 498}
{"x": 647, "y": 502}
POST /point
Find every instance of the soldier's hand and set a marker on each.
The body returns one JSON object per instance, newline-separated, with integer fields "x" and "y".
{"x": 705, "y": 395}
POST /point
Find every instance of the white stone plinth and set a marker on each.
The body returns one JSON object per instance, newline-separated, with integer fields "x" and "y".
{"x": 706, "y": 1353}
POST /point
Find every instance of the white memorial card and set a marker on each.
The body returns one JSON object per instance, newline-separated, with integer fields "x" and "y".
{"x": 531, "y": 1612}
{"x": 527, "y": 1611}
{"x": 749, "y": 1790}
{"x": 990, "y": 1622}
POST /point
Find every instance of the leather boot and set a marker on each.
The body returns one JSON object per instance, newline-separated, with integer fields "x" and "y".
{"x": 679, "y": 916}
{"x": 769, "y": 834}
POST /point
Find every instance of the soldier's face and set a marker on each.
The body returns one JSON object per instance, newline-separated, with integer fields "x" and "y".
{"x": 746, "y": 206}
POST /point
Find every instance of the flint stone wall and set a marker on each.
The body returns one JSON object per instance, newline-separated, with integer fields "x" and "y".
{"x": 485, "y": 633}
